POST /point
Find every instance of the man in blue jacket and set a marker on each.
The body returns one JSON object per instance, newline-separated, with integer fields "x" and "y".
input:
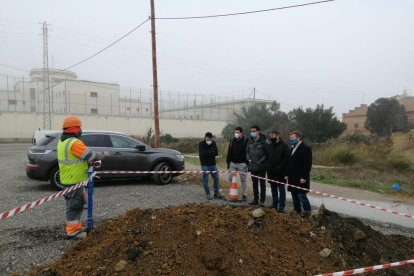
{"x": 207, "y": 150}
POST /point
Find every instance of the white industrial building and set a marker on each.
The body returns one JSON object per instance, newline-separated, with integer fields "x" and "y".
{"x": 70, "y": 95}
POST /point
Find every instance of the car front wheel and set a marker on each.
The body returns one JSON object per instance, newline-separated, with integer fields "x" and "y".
{"x": 162, "y": 178}
{"x": 54, "y": 178}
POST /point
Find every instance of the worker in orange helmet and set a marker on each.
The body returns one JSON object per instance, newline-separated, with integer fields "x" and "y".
{"x": 73, "y": 158}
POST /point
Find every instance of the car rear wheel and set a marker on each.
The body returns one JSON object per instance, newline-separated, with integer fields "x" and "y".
{"x": 162, "y": 178}
{"x": 54, "y": 178}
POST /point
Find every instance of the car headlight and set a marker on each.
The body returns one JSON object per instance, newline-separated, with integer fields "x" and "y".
{"x": 180, "y": 156}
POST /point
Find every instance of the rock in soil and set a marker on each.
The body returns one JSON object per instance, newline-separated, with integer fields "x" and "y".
{"x": 137, "y": 244}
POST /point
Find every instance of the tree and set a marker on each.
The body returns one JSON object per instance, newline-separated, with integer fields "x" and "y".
{"x": 318, "y": 124}
{"x": 266, "y": 117}
{"x": 385, "y": 116}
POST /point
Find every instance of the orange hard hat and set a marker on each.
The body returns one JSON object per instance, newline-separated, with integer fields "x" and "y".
{"x": 72, "y": 121}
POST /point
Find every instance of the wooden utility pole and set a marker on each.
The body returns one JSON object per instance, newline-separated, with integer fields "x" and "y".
{"x": 155, "y": 77}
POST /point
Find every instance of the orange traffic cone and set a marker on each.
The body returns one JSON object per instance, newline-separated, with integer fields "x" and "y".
{"x": 234, "y": 191}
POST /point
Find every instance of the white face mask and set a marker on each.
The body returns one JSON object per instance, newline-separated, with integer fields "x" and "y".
{"x": 208, "y": 142}
{"x": 237, "y": 135}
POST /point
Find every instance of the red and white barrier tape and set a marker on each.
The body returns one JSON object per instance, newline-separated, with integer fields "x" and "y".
{"x": 336, "y": 197}
{"x": 368, "y": 269}
{"x": 36, "y": 203}
{"x": 160, "y": 172}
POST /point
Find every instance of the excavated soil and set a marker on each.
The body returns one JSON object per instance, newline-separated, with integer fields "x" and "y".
{"x": 214, "y": 240}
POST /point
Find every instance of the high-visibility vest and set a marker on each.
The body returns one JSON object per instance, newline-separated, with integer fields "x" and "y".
{"x": 72, "y": 169}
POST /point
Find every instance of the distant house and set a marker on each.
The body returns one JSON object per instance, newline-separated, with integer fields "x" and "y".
{"x": 355, "y": 119}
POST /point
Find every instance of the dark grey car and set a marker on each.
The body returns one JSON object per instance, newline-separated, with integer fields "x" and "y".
{"x": 126, "y": 154}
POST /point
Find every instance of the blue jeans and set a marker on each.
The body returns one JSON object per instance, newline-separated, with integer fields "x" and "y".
{"x": 278, "y": 200}
{"x": 215, "y": 178}
{"x": 300, "y": 200}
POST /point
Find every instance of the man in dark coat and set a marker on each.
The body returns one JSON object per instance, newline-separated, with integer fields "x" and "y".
{"x": 236, "y": 159}
{"x": 207, "y": 150}
{"x": 256, "y": 156}
{"x": 300, "y": 164}
{"x": 277, "y": 159}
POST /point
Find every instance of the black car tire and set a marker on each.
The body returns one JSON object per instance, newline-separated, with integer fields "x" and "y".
{"x": 54, "y": 178}
{"x": 160, "y": 178}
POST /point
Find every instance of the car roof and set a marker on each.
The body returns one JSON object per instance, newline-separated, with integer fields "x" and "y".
{"x": 89, "y": 132}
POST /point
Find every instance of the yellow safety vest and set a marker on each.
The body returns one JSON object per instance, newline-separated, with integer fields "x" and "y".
{"x": 72, "y": 169}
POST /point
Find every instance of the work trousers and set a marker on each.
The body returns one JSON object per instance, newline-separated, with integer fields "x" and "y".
{"x": 74, "y": 209}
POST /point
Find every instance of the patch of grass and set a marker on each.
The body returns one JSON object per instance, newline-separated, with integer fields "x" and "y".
{"x": 375, "y": 186}
{"x": 366, "y": 179}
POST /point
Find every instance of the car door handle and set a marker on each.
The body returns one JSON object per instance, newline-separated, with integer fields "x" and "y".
{"x": 117, "y": 153}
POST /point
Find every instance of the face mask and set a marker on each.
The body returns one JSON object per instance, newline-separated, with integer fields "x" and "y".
{"x": 208, "y": 142}
{"x": 293, "y": 142}
{"x": 253, "y": 134}
{"x": 79, "y": 133}
{"x": 237, "y": 135}
{"x": 273, "y": 140}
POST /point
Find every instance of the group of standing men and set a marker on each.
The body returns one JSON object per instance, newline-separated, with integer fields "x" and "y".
{"x": 260, "y": 156}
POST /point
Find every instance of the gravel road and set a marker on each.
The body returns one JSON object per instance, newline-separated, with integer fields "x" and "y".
{"x": 37, "y": 236}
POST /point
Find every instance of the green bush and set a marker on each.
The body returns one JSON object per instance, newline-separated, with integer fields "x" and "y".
{"x": 168, "y": 139}
{"x": 344, "y": 157}
{"x": 399, "y": 162}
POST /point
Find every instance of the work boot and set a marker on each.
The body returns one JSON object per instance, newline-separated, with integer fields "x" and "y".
{"x": 79, "y": 236}
{"x": 261, "y": 203}
{"x": 254, "y": 202}
{"x": 209, "y": 197}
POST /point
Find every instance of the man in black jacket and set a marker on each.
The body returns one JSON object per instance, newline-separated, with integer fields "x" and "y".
{"x": 256, "y": 156}
{"x": 300, "y": 164}
{"x": 207, "y": 150}
{"x": 277, "y": 159}
{"x": 236, "y": 159}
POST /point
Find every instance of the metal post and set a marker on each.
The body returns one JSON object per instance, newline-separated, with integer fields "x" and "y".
{"x": 89, "y": 225}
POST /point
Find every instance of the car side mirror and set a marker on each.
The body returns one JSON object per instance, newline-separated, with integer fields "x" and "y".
{"x": 141, "y": 147}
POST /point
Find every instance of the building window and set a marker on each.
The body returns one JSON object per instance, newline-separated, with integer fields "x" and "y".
{"x": 32, "y": 109}
{"x": 32, "y": 93}
{"x": 137, "y": 109}
{"x": 356, "y": 125}
{"x": 128, "y": 109}
{"x": 94, "y": 94}
{"x": 146, "y": 110}
{"x": 12, "y": 101}
{"x": 94, "y": 111}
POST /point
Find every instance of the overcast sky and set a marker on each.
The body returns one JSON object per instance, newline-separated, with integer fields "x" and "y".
{"x": 338, "y": 53}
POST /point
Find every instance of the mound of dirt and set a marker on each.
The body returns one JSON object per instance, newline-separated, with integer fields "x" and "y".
{"x": 214, "y": 240}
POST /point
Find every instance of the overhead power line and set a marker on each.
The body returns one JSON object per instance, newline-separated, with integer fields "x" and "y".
{"x": 243, "y": 13}
{"x": 14, "y": 68}
{"x": 104, "y": 49}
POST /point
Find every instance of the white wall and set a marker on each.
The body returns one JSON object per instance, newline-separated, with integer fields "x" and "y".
{"x": 22, "y": 125}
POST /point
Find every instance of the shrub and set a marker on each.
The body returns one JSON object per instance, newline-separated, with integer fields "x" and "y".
{"x": 345, "y": 157}
{"x": 168, "y": 139}
{"x": 399, "y": 162}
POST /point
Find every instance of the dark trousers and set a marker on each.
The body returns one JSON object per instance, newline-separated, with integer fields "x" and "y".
{"x": 278, "y": 191}
{"x": 255, "y": 181}
{"x": 300, "y": 200}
